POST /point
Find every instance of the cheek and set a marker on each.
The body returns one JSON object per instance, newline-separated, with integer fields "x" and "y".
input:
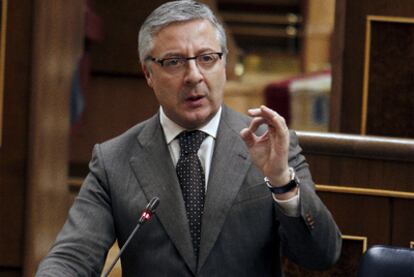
{"x": 167, "y": 86}
{"x": 166, "y": 95}
{"x": 162, "y": 88}
{"x": 217, "y": 84}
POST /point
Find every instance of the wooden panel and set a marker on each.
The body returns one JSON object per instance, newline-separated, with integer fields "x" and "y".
{"x": 362, "y": 162}
{"x": 367, "y": 185}
{"x": 350, "y": 37}
{"x": 398, "y": 176}
{"x": 263, "y": 26}
{"x": 10, "y": 273}
{"x": 370, "y": 147}
{"x": 117, "y": 53}
{"x": 347, "y": 265}
{"x": 321, "y": 167}
{"x": 3, "y": 28}
{"x": 361, "y": 173}
{"x": 113, "y": 252}
{"x": 15, "y": 135}
{"x": 337, "y": 62}
{"x": 351, "y": 78}
{"x": 389, "y": 45}
{"x": 317, "y": 36}
{"x": 112, "y": 106}
{"x": 361, "y": 215}
{"x": 345, "y": 173}
{"x": 403, "y": 223}
{"x": 56, "y": 46}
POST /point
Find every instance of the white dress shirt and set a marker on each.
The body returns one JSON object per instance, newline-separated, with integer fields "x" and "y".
{"x": 205, "y": 153}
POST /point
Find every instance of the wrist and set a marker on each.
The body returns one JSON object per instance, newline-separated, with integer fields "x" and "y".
{"x": 282, "y": 178}
{"x": 290, "y": 186}
{"x": 287, "y": 195}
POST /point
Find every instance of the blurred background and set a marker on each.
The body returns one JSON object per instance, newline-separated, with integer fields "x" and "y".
{"x": 340, "y": 72}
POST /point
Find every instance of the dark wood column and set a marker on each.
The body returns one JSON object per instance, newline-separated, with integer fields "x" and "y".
{"x": 43, "y": 43}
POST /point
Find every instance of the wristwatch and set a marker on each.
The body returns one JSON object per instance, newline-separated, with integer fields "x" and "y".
{"x": 293, "y": 183}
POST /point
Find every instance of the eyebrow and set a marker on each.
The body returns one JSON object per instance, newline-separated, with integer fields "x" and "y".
{"x": 180, "y": 55}
{"x": 172, "y": 55}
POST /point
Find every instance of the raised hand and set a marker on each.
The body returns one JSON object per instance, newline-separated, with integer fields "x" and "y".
{"x": 269, "y": 152}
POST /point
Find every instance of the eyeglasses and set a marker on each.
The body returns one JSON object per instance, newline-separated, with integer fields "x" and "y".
{"x": 176, "y": 64}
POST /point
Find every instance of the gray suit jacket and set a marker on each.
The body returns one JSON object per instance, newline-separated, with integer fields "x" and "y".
{"x": 243, "y": 229}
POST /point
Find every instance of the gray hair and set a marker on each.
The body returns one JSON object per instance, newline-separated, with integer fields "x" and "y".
{"x": 176, "y": 11}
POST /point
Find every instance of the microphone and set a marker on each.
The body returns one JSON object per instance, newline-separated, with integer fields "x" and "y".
{"x": 145, "y": 216}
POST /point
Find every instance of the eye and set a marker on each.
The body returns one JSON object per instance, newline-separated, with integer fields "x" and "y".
{"x": 173, "y": 62}
{"x": 207, "y": 58}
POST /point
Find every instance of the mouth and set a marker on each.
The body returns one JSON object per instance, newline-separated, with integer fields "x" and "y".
{"x": 194, "y": 98}
{"x": 195, "y": 101}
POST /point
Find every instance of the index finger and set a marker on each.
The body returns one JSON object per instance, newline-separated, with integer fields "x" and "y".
{"x": 264, "y": 112}
{"x": 269, "y": 115}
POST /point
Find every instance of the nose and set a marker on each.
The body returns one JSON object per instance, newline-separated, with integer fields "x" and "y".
{"x": 193, "y": 75}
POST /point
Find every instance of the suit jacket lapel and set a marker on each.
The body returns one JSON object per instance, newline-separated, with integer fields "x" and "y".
{"x": 228, "y": 169}
{"x": 155, "y": 173}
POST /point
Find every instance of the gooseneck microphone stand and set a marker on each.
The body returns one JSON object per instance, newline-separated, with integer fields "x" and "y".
{"x": 145, "y": 216}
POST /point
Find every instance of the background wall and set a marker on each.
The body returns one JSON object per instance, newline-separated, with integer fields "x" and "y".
{"x": 41, "y": 152}
{"x": 43, "y": 44}
{"x": 372, "y": 76}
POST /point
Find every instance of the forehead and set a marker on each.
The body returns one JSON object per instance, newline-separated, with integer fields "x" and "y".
{"x": 186, "y": 37}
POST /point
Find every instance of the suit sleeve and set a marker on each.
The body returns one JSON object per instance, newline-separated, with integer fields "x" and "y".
{"x": 82, "y": 245}
{"x": 313, "y": 239}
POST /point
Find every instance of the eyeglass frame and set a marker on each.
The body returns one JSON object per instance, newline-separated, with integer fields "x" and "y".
{"x": 161, "y": 61}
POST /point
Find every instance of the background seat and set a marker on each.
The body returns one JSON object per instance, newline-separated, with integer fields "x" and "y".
{"x": 384, "y": 261}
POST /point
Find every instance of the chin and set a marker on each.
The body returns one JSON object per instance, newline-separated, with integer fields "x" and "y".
{"x": 196, "y": 121}
{"x": 194, "y": 118}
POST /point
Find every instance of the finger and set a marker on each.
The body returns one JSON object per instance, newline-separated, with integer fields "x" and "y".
{"x": 255, "y": 123}
{"x": 264, "y": 112}
{"x": 261, "y": 111}
{"x": 268, "y": 113}
{"x": 279, "y": 124}
{"x": 248, "y": 137}
{"x": 274, "y": 119}
{"x": 254, "y": 112}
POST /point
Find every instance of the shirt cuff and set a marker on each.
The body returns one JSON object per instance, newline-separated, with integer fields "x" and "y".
{"x": 290, "y": 207}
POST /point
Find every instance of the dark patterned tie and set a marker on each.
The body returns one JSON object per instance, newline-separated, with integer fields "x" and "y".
{"x": 192, "y": 180}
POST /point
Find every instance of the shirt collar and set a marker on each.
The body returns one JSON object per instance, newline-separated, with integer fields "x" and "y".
{"x": 172, "y": 129}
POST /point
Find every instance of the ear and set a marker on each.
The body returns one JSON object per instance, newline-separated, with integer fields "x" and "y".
{"x": 147, "y": 73}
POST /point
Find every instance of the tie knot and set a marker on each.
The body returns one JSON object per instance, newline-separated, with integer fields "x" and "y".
{"x": 190, "y": 141}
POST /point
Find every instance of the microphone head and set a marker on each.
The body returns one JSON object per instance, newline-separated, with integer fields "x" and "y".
{"x": 152, "y": 205}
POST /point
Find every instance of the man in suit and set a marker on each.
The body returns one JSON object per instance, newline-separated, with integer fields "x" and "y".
{"x": 245, "y": 223}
